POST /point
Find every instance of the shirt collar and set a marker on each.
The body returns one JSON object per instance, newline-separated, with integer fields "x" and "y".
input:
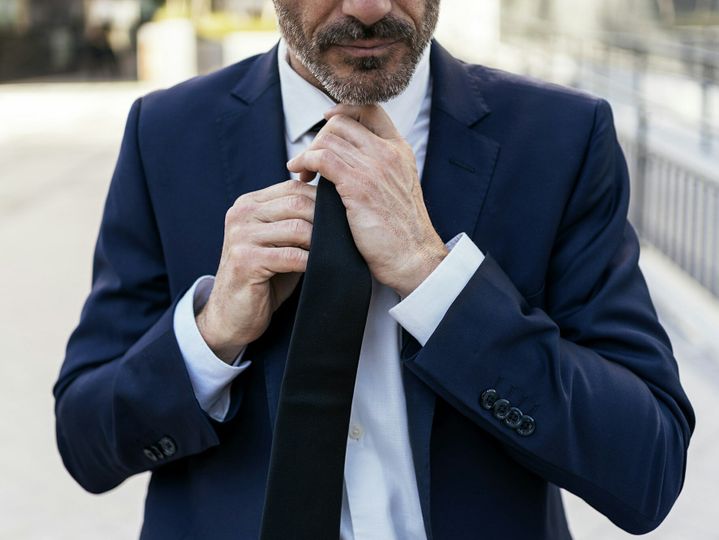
{"x": 304, "y": 104}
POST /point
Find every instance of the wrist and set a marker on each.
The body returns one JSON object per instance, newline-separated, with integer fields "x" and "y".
{"x": 226, "y": 349}
{"x": 425, "y": 262}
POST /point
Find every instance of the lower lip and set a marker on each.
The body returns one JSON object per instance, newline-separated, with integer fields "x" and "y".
{"x": 366, "y": 51}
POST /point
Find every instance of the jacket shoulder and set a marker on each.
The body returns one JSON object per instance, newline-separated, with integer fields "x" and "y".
{"x": 200, "y": 97}
{"x": 503, "y": 88}
{"x": 528, "y": 111}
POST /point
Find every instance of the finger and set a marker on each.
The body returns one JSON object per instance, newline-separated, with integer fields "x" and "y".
{"x": 353, "y": 156}
{"x": 285, "y": 233}
{"x": 351, "y": 131}
{"x": 282, "y": 189}
{"x": 282, "y": 260}
{"x": 373, "y": 117}
{"x": 323, "y": 161}
{"x": 287, "y": 207}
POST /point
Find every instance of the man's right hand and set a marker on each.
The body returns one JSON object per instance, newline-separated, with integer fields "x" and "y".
{"x": 266, "y": 245}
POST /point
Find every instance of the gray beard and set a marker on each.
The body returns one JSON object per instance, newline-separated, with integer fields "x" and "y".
{"x": 370, "y": 83}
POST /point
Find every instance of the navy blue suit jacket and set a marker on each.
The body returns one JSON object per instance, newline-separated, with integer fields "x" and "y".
{"x": 557, "y": 319}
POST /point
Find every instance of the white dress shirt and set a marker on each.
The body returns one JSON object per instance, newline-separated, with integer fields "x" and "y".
{"x": 380, "y": 499}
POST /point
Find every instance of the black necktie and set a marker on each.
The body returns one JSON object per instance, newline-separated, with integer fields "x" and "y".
{"x": 303, "y": 500}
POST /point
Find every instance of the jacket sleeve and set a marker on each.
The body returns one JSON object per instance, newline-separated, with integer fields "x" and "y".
{"x": 600, "y": 409}
{"x": 123, "y": 400}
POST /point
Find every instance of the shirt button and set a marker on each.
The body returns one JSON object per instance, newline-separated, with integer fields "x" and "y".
{"x": 356, "y": 432}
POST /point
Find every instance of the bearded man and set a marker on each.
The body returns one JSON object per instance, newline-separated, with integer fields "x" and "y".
{"x": 508, "y": 347}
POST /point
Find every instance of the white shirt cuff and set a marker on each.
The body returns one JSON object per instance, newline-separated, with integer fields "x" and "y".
{"x": 422, "y": 311}
{"x": 209, "y": 375}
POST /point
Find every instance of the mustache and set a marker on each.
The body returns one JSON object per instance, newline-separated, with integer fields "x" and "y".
{"x": 350, "y": 29}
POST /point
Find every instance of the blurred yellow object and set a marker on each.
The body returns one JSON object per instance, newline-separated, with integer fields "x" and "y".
{"x": 216, "y": 25}
{"x": 173, "y": 11}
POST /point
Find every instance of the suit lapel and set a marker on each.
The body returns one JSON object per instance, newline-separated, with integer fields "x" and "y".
{"x": 460, "y": 160}
{"x": 252, "y": 141}
{"x": 252, "y": 134}
{"x": 458, "y": 169}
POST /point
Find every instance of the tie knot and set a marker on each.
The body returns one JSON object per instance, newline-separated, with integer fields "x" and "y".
{"x": 317, "y": 127}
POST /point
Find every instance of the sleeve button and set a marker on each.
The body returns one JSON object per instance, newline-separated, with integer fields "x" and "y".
{"x": 149, "y": 454}
{"x": 501, "y": 409}
{"x": 167, "y": 445}
{"x": 514, "y": 418}
{"x": 526, "y": 426}
{"x": 488, "y": 398}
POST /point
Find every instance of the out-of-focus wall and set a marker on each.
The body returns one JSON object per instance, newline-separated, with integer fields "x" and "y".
{"x": 39, "y": 36}
{"x": 75, "y": 39}
{"x": 479, "y": 39}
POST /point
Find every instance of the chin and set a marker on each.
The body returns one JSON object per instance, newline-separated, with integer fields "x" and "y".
{"x": 364, "y": 79}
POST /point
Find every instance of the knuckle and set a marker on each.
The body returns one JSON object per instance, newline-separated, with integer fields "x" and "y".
{"x": 334, "y": 141}
{"x": 322, "y": 156}
{"x": 292, "y": 226}
{"x": 405, "y": 148}
{"x": 281, "y": 256}
{"x": 238, "y": 251}
{"x": 243, "y": 206}
{"x": 251, "y": 258}
{"x": 294, "y": 256}
{"x": 289, "y": 255}
{"x": 335, "y": 121}
{"x": 298, "y": 227}
{"x": 390, "y": 153}
{"x": 329, "y": 158}
{"x": 293, "y": 186}
{"x": 237, "y": 255}
{"x": 297, "y": 203}
{"x": 242, "y": 200}
{"x": 320, "y": 139}
{"x": 230, "y": 216}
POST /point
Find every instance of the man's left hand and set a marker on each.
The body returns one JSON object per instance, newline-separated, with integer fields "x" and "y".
{"x": 374, "y": 170}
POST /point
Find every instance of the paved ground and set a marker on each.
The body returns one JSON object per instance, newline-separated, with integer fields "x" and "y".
{"x": 58, "y": 144}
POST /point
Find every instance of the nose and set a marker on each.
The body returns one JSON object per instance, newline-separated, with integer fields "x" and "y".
{"x": 367, "y": 12}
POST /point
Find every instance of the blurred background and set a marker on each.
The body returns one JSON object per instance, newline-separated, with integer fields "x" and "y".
{"x": 69, "y": 70}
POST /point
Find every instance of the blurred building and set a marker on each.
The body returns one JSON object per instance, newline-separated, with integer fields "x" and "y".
{"x": 581, "y": 15}
{"x": 38, "y": 36}
{"x": 89, "y": 38}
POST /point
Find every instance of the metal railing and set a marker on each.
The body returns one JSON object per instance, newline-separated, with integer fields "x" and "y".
{"x": 676, "y": 210}
{"x": 618, "y": 65}
{"x": 675, "y": 200}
